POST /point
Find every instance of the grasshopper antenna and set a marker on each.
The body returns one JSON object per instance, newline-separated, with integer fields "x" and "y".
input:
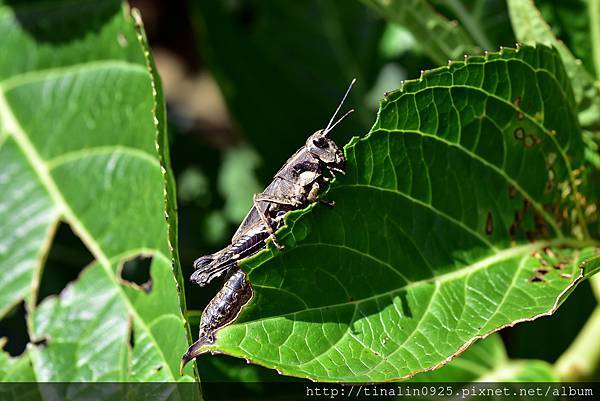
{"x": 326, "y": 130}
{"x": 329, "y": 126}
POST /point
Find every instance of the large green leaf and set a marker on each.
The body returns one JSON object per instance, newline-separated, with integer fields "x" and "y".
{"x": 457, "y": 217}
{"x": 78, "y": 144}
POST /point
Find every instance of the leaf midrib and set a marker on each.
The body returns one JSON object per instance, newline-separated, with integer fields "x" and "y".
{"x": 14, "y": 129}
{"x": 457, "y": 274}
{"x": 78, "y": 154}
{"x": 437, "y": 283}
{"x": 25, "y": 78}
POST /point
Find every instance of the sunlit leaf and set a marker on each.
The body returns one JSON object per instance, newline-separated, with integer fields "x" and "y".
{"x": 80, "y": 117}
{"x": 458, "y": 216}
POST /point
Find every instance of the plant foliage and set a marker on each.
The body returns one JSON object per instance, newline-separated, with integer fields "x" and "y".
{"x": 458, "y": 216}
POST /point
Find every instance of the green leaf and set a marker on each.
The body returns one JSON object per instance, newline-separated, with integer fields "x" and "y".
{"x": 441, "y": 39}
{"x": 486, "y": 361}
{"x": 79, "y": 125}
{"x": 530, "y": 28}
{"x": 272, "y": 59}
{"x": 15, "y": 369}
{"x": 449, "y": 225}
{"x": 591, "y": 266}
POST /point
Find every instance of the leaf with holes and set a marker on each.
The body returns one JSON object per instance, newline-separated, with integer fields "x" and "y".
{"x": 458, "y": 216}
{"x": 530, "y": 27}
{"x": 78, "y": 145}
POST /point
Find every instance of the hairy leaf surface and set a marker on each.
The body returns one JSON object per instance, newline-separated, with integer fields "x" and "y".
{"x": 457, "y": 217}
{"x": 78, "y": 144}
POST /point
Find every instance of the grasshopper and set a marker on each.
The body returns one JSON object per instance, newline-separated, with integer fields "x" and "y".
{"x": 295, "y": 185}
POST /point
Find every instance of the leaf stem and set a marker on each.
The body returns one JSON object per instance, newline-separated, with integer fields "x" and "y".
{"x": 594, "y": 13}
{"x": 582, "y": 358}
{"x": 470, "y": 24}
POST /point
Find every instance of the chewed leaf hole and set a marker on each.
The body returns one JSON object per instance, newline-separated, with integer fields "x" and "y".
{"x": 137, "y": 272}
{"x": 13, "y": 331}
{"x": 131, "y": 338}
{"x": 67, "y": 257}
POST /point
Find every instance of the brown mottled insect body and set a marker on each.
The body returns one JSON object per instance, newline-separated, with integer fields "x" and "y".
{"x": 221, "y": 310}
{"x": 296, "y": 185}
{"x": 226, "y": 305}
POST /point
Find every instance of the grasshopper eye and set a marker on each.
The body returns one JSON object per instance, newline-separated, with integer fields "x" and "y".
{"x": 320, "y": 142}
{"x": 298, "y": 169}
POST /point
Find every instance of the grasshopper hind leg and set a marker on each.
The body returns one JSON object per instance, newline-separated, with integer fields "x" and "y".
{"x": 211, "y": 266}
{"x": 266, "y": 220}
{"x": 203, "y": 276}
{"x": 226, "y": 260}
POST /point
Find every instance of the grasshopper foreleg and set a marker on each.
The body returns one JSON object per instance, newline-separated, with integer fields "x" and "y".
{"x": 313, "y": 196}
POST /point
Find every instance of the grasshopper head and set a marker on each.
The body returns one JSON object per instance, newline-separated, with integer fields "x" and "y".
{"x": 326, "y": 151}
{"x": 323, "y": 148}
